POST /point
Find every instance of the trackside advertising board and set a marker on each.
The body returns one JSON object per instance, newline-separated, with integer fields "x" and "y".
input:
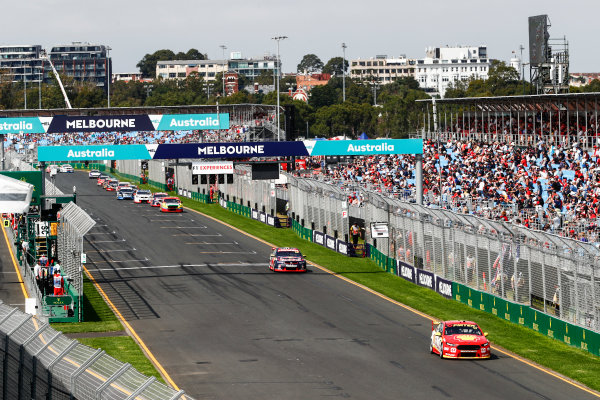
{"x": 237, "y": 150}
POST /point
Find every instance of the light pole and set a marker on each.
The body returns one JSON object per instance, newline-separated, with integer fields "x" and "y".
{"x": 278, "y": 62}
{"x": 24, "y": 88}
{"x": 108, "y": 72}
{"x": 223, "y": 47}
{"x": 344, "y": 72}
{"x": 40, "y": 77}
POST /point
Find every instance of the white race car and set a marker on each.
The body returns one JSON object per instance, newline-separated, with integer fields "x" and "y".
{"x": 94, "y": 174}
{"x": 66, "y": 168}
{"x": 142, "y": 196}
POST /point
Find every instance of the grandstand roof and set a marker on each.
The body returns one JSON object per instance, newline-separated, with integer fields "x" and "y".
{"x": 537, "y": 102}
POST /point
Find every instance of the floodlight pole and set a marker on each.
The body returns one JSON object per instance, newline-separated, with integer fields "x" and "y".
{"x": 278, "y": 62}
{"x": 344, "y": 72}
{"x": 62, "y": 88}
{"x": 223, "y": 47}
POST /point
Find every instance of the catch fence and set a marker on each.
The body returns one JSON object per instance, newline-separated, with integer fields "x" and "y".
{"x": 41, "y": 363}
{"x": 556, "y": 275}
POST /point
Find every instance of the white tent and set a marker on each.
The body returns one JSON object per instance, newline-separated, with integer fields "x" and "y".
{"x": 15, "y": 195}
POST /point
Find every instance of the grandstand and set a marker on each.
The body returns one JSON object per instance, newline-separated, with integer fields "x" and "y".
{"x": 557, "y": 119}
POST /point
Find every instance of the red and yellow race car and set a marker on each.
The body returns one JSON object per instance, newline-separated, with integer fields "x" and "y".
{"x": 459, "y": 339}
{"x": 171, "y": 204}
{"x": 287, "y": 259}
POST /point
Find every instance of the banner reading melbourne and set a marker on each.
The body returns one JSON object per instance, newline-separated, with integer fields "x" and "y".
{"x": 178, "y": 122}
{"x": 109, "y": 123}
{"x": 364, "y": 147}
{"x": 97, "y": 152}
{"x": 21, "y": 125}
{"x": 230, "y": 150}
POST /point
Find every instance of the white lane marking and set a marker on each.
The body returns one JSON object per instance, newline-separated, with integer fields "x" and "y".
{"x": 106, "y": 241}
{"x": 234, "y": 242}
{"x": 118, "y": 261}
{"x": 197, "y": 234}
{"x": 226, "y": 252}
{"x": 184, "y": 227}
{"x": 109, "y": 251}
{"x": 163, "y": 220}
{"x": 186, "y": 265}
{"x": 99, "y": 225}
{"x": 101, "y": 233}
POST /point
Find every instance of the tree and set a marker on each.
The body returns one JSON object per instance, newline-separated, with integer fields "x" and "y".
{"x": 336, "y": 66}
{"x": 322, "y": 96}
{"x": 310, "y": 63}
{"x": 265, "y": 77}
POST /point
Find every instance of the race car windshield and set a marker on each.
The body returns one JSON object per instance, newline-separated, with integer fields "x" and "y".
{"x": 288, "y": 254}
{"x": 126, "y": 190}
{"x": 171, "y": 201}
{"x": 462, "y": 330}
{"x": 143, "y": 192}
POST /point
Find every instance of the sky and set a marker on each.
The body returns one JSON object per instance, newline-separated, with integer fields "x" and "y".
{"x": 133, "y": 28}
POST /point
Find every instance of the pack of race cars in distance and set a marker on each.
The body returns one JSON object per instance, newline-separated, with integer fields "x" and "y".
{"x": 459, "y": 339}
{"x": 128, "y": 191}
{"x": 287, "y": 259}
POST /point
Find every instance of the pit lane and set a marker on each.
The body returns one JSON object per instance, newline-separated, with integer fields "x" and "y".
{"x": 202, "y": 298}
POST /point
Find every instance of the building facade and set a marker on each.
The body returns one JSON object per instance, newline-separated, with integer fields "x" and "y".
{"x": 308, "y": 81}
{"x": 209, "y": 69}
{"x": 381, "y": 69}
{"x": 22, "y": 63}
{"x": 181, "y": 69}
{"x": 84, "y": 62}
{"x": 443, "y": 66}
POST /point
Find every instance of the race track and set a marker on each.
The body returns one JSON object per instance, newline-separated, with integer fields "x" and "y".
{"x": 202, "y": 298}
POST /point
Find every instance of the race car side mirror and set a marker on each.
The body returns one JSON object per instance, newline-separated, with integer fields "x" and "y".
{"x": 485, "y": 334}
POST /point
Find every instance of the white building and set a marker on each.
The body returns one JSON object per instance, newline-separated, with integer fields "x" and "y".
{"x": 382, "y": 69}
{"x": 180, "y": 69}
{"x": 445, "y": 65}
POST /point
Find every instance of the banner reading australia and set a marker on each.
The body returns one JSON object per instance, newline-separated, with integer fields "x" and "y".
{"x": 235, "y": 150}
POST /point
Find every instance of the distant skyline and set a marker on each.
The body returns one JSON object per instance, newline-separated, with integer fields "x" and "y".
{"x": 134, "y": 28}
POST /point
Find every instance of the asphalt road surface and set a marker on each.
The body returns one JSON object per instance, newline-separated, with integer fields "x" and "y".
{"x": 202, "y": 298}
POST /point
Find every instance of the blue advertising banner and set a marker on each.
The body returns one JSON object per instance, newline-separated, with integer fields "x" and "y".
{"x": 443, "y": 287}
{"x": 406, "y": 271}
{"x": 364, "y": 147}
{"x": 93, "y": 152}
{"x": 230, "y": 150}
{"x": 108, "y": 123}
{"x": 178, "y": 122}
{"x": 21, "y": 125}
{"x": 425, "y": 279}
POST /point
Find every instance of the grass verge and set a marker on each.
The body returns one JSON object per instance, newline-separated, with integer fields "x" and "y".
{"x": 125, "y": 349}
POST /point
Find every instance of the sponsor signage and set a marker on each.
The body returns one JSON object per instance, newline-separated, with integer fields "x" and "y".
{"x": 406, "y": 271}
{"x": 21, "y": 125}
{"x": 57, "y": 300}
{"x": 262, "y": 217}
{"x": 330, "y": 242}
{"x": 207, "y": 168}
{"x": 366, "y": 147}
{"x": 231, "y": 150}
{"x": 95, "y": 152}
{"x": 319, "y": 238}
{"x": 342, "y": 247}
{"x": 255, "y": 214}
{"x": 179, "y": 122}
{"x": 425, "y": 279}
{"x": 270, "y": 220}
{"x": 443, "y": 287}
{"x": 106, "y": 123}
{"x": 379, "y": 230}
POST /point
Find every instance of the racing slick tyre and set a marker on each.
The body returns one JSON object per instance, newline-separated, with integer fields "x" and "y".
{"x": 442, "y": 354}
{"x": 431, "y": 348}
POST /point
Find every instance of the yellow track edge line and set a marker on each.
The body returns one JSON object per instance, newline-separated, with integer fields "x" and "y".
{"x": 132, "y": 331}
{"x": 414, "y": 311}
{"x": 15, "y": 264}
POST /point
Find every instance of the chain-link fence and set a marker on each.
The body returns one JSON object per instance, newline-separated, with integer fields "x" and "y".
{"x": 74, "y": 224}
{"x": 554, "y": 274}
{"x": 319, "y": 206}
{"x": 41, "y": 363}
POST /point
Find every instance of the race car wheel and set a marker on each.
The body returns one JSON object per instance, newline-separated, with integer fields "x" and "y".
{"x": 430, "y": 347}
{"x": 442, "y": 353}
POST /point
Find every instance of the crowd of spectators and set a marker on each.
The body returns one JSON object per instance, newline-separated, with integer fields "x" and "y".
{"x": 237, "y": 133}
{"x": 547, "y": 187}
